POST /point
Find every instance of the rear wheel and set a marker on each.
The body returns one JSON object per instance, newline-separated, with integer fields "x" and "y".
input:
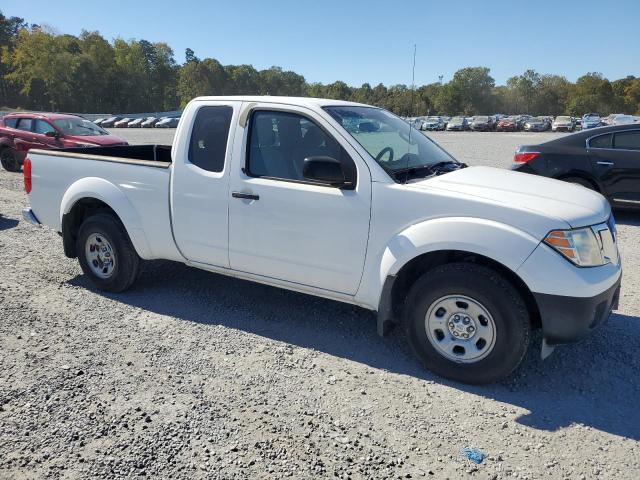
{"x": 9, "y": 159}
{"x": 467, "y": 323}
{"x": 106, "y": 254}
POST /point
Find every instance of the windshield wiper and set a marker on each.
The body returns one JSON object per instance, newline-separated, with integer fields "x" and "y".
{"x": 433, "y": 169}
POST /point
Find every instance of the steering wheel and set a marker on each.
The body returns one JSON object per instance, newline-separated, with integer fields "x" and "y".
{"x": 388, "y": 150}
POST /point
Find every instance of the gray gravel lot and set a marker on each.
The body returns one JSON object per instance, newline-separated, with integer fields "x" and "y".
{"x": 195, "y": 375}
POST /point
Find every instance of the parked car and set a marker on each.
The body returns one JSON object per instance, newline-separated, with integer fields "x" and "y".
{"x": 591, "y": 120}
{"x": 507, "y": 124}
{"x": 20, "y": 132}
{"x": 98, "y": 121}
{"x": 122, "y": 123}
{"x": 471, "y": 259}
{"x": 171, "y": 122}
{"x": 110, "y": 122}
{"x": 150, "y": 122}
{"x": 481, "y": 123}
{"x": 433, "y": 124}
{"x": 605, "y": 159}
{"x": 563, "y": 123}
{"x": 457, "y": 124}
{"x": 536, "y": 124}
{"x": 623, "y": 120}
{"x": 136, "y": 122}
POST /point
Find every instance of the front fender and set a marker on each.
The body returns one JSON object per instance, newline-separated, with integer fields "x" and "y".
{"x": 502, "y": 243}
{"x": 107, "y": 192}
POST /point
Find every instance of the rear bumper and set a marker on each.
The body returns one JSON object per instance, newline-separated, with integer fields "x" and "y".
{"x": 570, "y": 319}
{"x": 30, "y": 217}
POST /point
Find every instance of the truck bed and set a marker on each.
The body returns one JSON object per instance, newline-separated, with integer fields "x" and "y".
{"x": 132, "y": 179}
{"x": 159, "y": 154}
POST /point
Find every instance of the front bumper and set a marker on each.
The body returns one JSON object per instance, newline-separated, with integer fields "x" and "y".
{"x": 570, "y": 319}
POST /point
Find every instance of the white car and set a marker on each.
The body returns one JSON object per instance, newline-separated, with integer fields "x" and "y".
{"x": 623, "y": 120}
{"x": 344, "y": 201}
{"x": 563, "y": 122}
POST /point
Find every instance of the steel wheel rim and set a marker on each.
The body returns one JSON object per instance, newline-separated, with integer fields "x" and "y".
{"x": 460, "y": 328}
{"x": 100, "y": 255}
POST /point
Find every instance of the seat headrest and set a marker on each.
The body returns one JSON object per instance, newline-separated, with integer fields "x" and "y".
{"x": 264, "y": 130}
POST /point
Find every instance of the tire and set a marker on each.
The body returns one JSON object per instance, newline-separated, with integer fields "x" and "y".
{"x": 580, "y": 181}
{"x": 9, "y": 160}
{"x": 105, "y": 230}
{"x": 471, "y": 285}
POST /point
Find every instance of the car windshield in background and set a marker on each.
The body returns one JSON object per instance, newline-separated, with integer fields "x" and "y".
{"x": 79, "y": 127}
{"x": 563, "y": 119}
{"x": 391, "y": 142}
{"x": 456, "y": 120}
{"x": 480, "y": 119}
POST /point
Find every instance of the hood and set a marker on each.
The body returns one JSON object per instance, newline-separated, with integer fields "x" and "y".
{"x": 539, "y": 196}
{"x": 101, "y": 140}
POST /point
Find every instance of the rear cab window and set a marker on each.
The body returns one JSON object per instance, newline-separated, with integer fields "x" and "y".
{"x": 208, "y": 143}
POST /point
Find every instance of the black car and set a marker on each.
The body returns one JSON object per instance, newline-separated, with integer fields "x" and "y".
{"x": 482, "y": 123}
{"x": 605, "y": 159}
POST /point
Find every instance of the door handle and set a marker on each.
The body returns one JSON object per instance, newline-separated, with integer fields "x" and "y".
{"x": 605, "y": 163}
{"x": 245, "y": 196}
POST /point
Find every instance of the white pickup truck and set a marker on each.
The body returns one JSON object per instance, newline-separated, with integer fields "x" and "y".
{"x": 348, "y": 202}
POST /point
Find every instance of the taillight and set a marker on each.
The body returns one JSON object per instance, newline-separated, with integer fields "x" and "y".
{"x": 26, "y": 173}
{"x": 524, "y": 157}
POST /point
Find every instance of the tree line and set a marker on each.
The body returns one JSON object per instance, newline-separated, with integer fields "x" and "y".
{"x": 41, "y": 69}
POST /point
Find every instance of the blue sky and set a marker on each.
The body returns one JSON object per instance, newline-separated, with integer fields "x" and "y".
{"x": 371, "y": 41}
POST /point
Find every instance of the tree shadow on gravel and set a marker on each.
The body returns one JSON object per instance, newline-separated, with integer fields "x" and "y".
{"x": 7, "y": 223}
{"x": 595, "y": 383}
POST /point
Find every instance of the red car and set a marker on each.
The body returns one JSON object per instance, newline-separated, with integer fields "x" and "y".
{"x": 507, "y": 125}
{"x": 20, "y": 132}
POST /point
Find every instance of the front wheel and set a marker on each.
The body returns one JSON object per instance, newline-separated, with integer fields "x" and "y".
{"x": 106, "y": 254}
{"x": 466, "y": 322}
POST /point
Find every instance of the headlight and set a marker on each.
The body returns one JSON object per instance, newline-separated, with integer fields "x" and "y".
{"x": 585, "y": 247}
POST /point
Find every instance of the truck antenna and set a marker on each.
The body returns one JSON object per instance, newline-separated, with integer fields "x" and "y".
{"x": 413, "y": 88}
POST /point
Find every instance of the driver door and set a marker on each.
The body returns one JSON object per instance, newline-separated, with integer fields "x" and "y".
{"x": 284, "y": 227}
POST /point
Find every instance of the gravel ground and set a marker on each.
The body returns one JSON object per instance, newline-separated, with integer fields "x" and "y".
{"x": 195, "y": 375}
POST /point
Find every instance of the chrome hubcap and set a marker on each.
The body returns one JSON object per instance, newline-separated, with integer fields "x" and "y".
{"x": 100, "y": 255}
{"x": 460, "y": 328}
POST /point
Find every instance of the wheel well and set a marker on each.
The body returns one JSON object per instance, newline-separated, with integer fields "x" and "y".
{"x": 71, "y": 221}
{"x": 410, "y": 272}
{"x": 583, "y": 176}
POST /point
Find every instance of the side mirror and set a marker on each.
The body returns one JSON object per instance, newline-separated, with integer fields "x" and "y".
{"x": 52, "y": 134}
{"x": 326, "y": 170}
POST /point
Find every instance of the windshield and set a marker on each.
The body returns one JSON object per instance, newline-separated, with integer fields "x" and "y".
{"x": 480, "y": 119}
{"x": 433, "y": 119}
{"x": 79, "y": 127}
{"x": 562, "y": 119}
{"x": 456, "y": 120}
{"x": 390, "y": 141}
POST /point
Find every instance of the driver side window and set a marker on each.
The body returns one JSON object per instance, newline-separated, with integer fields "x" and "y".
{"x": 279, "y": 143}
